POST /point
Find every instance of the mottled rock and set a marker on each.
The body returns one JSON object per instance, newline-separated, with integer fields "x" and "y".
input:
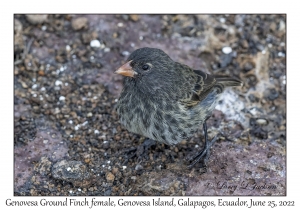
{"x": 110, "y": 177}
{"x": 80, "y": 23}
{"x": 18, "y": 27}
{"x": 248, "y": 66}
{"x": 43, "y": 166}
{"x": 272, "y": 94}
{"x": 134, "y": 17}
{"x": 164, "y": 182}
{"x": 36, "y": 19}
{"x": 71, "y": 171}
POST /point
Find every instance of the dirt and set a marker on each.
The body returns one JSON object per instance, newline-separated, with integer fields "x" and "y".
{"x": 67, "y": 136}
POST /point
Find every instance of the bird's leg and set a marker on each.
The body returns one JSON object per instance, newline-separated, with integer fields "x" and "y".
{"x": 141, "y": 151}
{"x": 205, "y": 152}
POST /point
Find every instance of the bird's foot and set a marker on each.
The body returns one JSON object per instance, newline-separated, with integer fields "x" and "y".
{"x": 142, "y": 151}
{"x": 203, "y": 155}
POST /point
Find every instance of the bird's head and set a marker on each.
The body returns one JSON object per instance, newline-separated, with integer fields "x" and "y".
{"x": 146, "y": 64}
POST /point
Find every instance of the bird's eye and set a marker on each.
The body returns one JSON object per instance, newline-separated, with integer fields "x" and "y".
{"x": 145, "y": 67}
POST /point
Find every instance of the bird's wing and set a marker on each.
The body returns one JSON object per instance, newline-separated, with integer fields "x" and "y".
{"x": 228, "y": 81}
{"x": 203, "y": 85}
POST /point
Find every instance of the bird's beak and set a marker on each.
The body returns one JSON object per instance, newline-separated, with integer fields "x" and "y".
{"x": 126, "y": 70}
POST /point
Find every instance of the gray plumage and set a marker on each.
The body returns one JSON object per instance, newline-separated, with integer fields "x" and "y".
{"x": 169, "y": 101}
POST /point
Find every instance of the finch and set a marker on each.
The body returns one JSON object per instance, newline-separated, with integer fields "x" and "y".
{"x": 167, "y": 101}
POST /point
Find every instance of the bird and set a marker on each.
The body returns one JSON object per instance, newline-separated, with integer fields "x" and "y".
{"x": 167, "y": 101}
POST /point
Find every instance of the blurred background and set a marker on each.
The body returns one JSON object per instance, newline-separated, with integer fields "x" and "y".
{"x": 67, "y": 137}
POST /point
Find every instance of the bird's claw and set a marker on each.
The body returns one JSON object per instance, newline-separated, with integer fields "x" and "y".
{"x": 203, "y": 155}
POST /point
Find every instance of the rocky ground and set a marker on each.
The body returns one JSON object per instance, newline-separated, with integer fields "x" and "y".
{"x": 67, "y": 137}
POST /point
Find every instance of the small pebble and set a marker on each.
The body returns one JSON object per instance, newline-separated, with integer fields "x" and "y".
{"x": 134, "y": 17}
{"x": 79, "y": 23}
{"x": 95, "y": 43}
{"x": 261, "y": 121}
{"x": 36, "y": 19}
{"x": 125, "y": 53}
{"x": 226, "y": 50}
{"x": 106, "y": 49}
{"x": 77, "y": 127}
{"x": 24, "y": 85}
{"x": 273, "y": 94}
{"x": 110, "y": 177}
{"x": 62, "y": 98}
{"x": 222, "y": 20}
{"x": 281, "y": 25}
{"x": 248, "y": 66}
{"x": 57, "y": 82}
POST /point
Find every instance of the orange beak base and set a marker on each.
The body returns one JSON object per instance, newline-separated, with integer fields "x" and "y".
{"x": 126, "y": 70}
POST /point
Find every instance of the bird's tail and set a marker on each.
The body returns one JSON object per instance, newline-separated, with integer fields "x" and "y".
{"x": 228, "y": 81}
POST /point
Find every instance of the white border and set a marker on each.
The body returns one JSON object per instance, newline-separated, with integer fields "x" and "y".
{"x": 153, "y": 6}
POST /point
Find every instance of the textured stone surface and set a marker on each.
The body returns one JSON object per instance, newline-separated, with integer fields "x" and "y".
{"x": 67, "y": 136}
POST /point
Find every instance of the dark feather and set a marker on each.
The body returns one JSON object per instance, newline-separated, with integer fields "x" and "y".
{"x": 228, "y": 81}
{"x": 205, "y": 83}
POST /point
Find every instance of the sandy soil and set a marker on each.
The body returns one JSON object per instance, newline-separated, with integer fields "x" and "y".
{"x": 67, "y": 137}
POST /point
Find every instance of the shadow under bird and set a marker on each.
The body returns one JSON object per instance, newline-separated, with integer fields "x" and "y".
{"x": 167, "y": 101}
